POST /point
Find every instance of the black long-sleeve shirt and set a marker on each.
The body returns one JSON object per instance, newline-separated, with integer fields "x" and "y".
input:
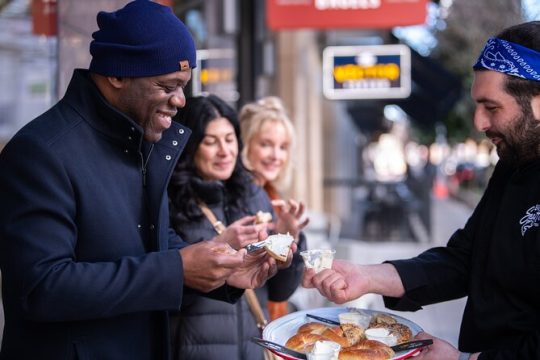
{"x": 495, "y": 261}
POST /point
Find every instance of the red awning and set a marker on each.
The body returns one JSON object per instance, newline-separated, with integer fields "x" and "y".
{"x": 340, "y": 14}
{"x": 44, "y": 17}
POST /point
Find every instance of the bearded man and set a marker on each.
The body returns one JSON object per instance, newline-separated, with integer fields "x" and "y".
{"x": 495, "y": 258}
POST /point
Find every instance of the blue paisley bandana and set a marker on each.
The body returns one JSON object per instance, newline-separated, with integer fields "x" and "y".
{"x": 509, "y": 58}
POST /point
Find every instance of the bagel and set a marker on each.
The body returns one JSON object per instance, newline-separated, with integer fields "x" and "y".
{"x": 381, "y": 319}
{"x": 313, "y": 328}
{"x": 402, "y": 332}
{"x": 330, "y": 335}
{"x": 338, "y": 330}
{"x": 373, "y": 345}
{"x": 278, "y": 246}
{"x": 299, "y": 341}
{"x": 353, "y": 333}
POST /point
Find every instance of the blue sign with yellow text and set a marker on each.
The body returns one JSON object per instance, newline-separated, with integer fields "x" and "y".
{"x": 367, "y": 72}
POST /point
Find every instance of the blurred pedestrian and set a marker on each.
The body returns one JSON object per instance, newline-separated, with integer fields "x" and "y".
{"x": 89, "y": 264}
{"x": 213, "y": 195}
{"x": 269, "y": 139}
{"x": 494, "y": 259}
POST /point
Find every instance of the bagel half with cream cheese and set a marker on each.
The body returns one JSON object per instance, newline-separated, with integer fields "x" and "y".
{"x": 278, "y": 246}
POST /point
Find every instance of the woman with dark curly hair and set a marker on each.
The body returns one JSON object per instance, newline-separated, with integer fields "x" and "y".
{"x": 210, "y": 174}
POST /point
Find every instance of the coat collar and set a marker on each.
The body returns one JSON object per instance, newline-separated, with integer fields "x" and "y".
{"x": 84, "y": 96}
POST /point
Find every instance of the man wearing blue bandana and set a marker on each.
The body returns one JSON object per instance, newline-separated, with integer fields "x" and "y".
{"x": 90, "y": 267}
{"x": 495, "y": 258}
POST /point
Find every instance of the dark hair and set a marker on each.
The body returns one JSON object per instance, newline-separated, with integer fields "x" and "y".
{"x": 528, "y": 35}
{"x": 196, "y": 115}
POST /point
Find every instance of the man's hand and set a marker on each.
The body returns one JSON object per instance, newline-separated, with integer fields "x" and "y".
{"x": 253, "y": 273}
{"x": 347, "y": 281}
{"x": 439, "y": 350}
{"x": 208, "y": 264}
{"x": 340, "y": 284}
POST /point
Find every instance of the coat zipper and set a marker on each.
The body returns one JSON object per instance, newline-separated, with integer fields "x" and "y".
{"x": 144, "y": 163}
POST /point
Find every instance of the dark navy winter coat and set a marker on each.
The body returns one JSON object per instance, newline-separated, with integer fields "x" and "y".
{"x": 89, "y": 264}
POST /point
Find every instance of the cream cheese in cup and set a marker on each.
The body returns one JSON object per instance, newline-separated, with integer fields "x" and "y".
{"x": 355, "y": 318}
{"x": 318, "y": 259}
{"x": 324, "y": 350}
{"x": 381, "y": 334}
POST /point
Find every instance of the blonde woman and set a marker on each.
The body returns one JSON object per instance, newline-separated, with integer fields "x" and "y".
{"x": 269, "y": 138}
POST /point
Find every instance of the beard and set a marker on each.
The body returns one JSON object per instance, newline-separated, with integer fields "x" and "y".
{"x": 521, "y": 143}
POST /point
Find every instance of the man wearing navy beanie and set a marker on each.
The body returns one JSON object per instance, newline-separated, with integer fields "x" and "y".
{"x": 90, "y": 267}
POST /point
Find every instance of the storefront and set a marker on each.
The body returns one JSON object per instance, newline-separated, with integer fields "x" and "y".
{"x": 251, "y": 48}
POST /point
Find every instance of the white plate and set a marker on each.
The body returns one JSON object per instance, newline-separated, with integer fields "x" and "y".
{"x": 280, "y": 330}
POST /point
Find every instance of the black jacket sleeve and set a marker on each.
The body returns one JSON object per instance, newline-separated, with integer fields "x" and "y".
{"x": 440, "y": 273}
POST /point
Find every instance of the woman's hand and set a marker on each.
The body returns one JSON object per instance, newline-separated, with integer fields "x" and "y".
{"x": 289, "y": 217}
{"x": 242, "y": 232}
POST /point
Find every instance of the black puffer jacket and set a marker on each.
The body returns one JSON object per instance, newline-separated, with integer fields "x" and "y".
{"x": 209, "y": 329}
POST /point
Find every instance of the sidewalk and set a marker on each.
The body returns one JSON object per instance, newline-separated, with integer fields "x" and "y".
{"x": 467, "y": 197}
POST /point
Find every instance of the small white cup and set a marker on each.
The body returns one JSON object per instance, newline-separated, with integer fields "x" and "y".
{"x": 355, "y": 318}
{"x": 318, "y": 259}
{"x": 323, "y": 350}
{"x": 381, "y": 335}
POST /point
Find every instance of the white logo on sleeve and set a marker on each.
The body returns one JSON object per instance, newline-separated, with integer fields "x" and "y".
{"x": 531, "y": 218}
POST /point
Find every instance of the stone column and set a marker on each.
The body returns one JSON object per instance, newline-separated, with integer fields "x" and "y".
{"x": 299, "y": 85}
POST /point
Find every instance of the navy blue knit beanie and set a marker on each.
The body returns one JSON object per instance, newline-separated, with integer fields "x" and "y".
{"x": 142, "y": 39}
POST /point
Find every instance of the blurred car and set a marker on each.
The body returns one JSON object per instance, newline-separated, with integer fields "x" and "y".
{"x": 465, "y": 172}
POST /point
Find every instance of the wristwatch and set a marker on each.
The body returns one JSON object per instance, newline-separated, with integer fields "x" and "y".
{"x": 464, "y": 355}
